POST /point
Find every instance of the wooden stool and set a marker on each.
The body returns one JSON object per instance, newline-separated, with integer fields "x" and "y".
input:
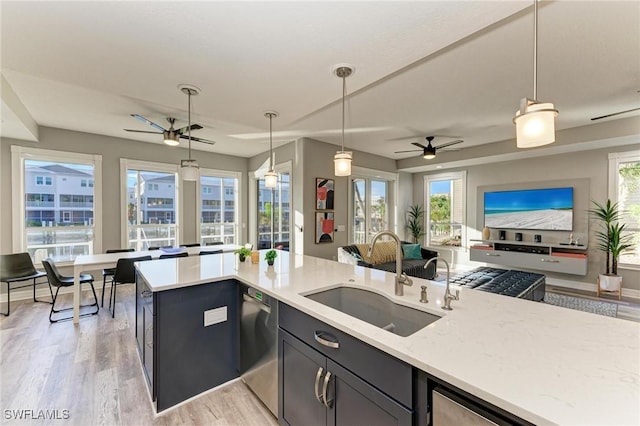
{"x": 614, "y": 292}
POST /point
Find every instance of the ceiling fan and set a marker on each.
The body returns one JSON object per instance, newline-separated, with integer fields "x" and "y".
{"x": 429, "y": 151}
{"x": 171, "y": 135}
{"x": 614, "y": 114}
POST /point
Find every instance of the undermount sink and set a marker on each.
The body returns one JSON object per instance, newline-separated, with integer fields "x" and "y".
{"x": 375, "y": 309}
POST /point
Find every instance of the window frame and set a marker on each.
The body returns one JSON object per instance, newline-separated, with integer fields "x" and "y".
{"x": 615, "y": 159}
{"x": 18, "y": 156}
{"x": 127, "y": 164}
{"x": 462, "y": 174}
{"x": 392, "y": 190}
{"x": 216, "y": 173}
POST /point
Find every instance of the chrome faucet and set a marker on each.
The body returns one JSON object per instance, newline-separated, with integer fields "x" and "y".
{"x": 448, "y": 297}
{"x": 401, "y": 277}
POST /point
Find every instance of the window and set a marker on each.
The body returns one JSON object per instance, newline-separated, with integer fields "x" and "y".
{"x": 274, "y": 203}
{"x": 370, "y": 196}
{"x": 149, "y": 221}
{"x": 624, "y": 188}
{"x": 84, "y": 183}
{"x": 55, "y": 221}
{"x": 445, "y": 208}
{"x": 218, "y": 223}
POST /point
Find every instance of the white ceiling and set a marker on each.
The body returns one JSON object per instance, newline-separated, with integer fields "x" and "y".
{"x": 455, "y": 68}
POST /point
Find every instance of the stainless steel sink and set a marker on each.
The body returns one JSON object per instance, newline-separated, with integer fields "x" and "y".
{"x": 375, "y": 309}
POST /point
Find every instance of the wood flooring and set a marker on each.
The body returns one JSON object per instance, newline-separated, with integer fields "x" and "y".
{"x": 90, "y": 374}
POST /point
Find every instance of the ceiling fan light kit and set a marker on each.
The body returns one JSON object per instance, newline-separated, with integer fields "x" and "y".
{"x": 171, "y": 137}
{"x": 271, "y": 177}
{"x": 342, "y": 159}
{"x": 535, "y": 121}
{"x": 189, "y": 168}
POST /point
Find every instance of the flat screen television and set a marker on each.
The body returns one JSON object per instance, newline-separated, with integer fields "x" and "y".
{"x": 535, "y": 209}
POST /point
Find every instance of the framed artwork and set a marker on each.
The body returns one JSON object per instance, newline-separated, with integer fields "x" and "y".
{"x": 324, "y": 227}
{"x": 324, "y": 194}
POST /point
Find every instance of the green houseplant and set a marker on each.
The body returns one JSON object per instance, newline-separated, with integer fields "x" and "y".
{"x": 612, "y": 241}
{"x": 270, "y": 256}
{"x": 415, "y": 222}
{"x": 242, "y": 253}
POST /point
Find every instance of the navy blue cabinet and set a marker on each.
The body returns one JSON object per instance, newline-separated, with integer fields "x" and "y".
{"x": 181, "y": 355}
{"x": 319, "y": 385}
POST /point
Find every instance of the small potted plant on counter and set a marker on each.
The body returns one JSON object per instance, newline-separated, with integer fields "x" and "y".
{"x": 613, "y": 241}
{"x": 242, "y": 253}
{"x": 270, "y": 256}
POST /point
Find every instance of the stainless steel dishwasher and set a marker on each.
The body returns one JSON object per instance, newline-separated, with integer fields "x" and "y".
{"x": 259, "y": 345}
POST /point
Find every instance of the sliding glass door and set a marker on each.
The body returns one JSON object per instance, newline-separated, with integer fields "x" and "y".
{"x": 369, "y": 202}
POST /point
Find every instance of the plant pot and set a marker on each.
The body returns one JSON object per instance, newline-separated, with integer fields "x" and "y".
{"x": 242, "y": 257}
{"x": 270, "y": 262}
{"x": 610, "y": 282}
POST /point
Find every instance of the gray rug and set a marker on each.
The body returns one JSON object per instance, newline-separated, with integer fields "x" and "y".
{"x": 580, "y": 304}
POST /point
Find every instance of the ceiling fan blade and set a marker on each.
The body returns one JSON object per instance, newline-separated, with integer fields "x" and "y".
{"x": 410, "y": 150}
{"x": 142, "y": 131}
{"x": 614, "y": 114}
{"x": 149, "y": 122}
{"x": 193, "y": 138}
{"x": 449, "y": 149}
{"x": 446, "y": 144}
{"x": 185, "y": 129}
{"x": 418, "y": 144}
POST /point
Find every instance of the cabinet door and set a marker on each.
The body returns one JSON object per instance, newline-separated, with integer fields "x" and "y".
{"x": 355, "y": 402}
{"x": 139, "y": 315}
{"x": 300, "y": 368}
{"x": 148, "y": 353}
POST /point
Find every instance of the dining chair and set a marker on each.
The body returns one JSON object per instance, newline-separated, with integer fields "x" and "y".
{"x": 125, "y": 274}
{"x": 108, "y": 272}
{"x": 190, "y": 245}
{"x": 56, "y": 279}
{"x": 214, "y": 243}
{"x": 205, "y": 252}
{"x": 172, "y": 255}
{"x": 19, "y": 267}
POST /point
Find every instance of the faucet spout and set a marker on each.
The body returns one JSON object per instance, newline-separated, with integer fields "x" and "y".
{"x": 401, "y": 278}
{"x": 448, "y": 296}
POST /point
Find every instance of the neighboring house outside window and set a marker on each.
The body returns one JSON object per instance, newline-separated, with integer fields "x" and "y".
{"x": 624, "y": 188}
{"x": 219, "y": 215}
{"x": 57, "y": 217}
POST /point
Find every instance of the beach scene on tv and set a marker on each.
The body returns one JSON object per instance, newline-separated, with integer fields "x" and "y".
{"x": 539, "y": 209}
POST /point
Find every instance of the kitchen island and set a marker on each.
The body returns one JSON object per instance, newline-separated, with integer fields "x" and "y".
{"x": 542, "y": 363}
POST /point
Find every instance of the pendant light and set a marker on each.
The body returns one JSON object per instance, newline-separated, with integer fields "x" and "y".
{"x": 271, "y": 177}
{"x": 535, "y": 121}
{"x": 189, "y": 168}
{"x": 342, "y": 159}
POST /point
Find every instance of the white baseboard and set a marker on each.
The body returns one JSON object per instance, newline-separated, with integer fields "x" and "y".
{"x": 579, "y": 285}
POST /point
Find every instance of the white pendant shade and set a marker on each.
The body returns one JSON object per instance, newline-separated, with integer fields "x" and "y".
{"x": 189, "y": 169}
{"x": 342, "y": 163}
{"x": 536, "y": 126}
{"x": 270, "y": 179}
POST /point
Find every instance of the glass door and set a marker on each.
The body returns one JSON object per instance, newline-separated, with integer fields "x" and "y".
{"x": 274, "y": 206}
{"x": 370, "y": 209}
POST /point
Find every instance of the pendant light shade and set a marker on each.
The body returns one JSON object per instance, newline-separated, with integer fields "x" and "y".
{"x": 342, "y": 159}
{"x": 271, "y": 177}
{"x": 189, "y": 168}
{"x": 535, "y": 121}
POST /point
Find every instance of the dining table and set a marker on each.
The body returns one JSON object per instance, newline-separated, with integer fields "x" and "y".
{"x": 92, "y": 262}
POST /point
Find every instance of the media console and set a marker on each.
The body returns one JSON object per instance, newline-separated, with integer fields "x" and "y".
{"x": 566, "y": 259}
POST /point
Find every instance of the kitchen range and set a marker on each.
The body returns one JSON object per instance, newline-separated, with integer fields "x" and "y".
{"x": 531, "y": 363}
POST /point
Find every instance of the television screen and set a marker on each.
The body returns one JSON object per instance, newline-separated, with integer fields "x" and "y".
{"x": 536, "y": 209}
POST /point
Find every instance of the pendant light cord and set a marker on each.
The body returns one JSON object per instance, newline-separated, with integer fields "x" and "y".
{"x": 270, "y": 143}
{"x": 535, "y": 50}
{"x": 344, "y": 91}
{"x": 189, "y": 114}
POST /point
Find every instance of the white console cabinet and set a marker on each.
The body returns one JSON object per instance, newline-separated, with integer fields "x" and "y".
{"x": 566, "y": 259}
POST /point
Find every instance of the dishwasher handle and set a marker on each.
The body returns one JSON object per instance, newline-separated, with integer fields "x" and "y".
{"x": 262, "y": 306}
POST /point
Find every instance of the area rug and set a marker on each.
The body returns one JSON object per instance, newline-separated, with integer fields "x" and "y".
{"x": 580, "y": 304}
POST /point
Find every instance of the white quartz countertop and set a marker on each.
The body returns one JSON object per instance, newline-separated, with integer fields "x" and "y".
{"x": 545, "y": 364}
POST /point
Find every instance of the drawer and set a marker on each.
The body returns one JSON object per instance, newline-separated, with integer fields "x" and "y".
{"x": 386, "y": 373}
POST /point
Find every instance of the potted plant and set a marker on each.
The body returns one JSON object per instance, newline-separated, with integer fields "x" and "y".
{"x": 611, "y": 241}
{"x": 415, "y": 222}
{"x": 270, "y": 256}
{"x": 242, "y": 253}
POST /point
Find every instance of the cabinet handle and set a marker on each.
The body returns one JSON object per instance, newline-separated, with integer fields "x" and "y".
{"x": 146, "y": 334}
{"x": 318, "y": 336}
{"x": 493, "y": 255}
{"x": 327, "y": 402}
{"x": 315, "y": 387}
{"x": 549, "y": 260}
